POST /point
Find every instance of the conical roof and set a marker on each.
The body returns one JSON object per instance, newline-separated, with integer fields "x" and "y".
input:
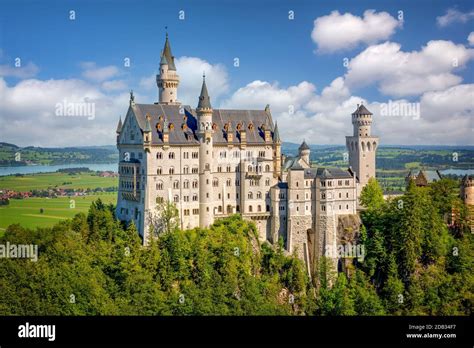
{"x": 119, "y": 126}
{"x": 303, "y": 146}
{"x": 361, "y": 110}
{"x": 204, "y": 100}
{"x": 169, "y": 56}
{"x": 276, "y": 133}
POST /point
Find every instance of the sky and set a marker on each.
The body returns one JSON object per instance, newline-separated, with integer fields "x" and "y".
{"x": 410, "y": 62}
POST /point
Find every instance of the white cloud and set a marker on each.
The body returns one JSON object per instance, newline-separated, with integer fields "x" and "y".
{"x": 257, "y": 94}
{"x": 28, "y": 113}
{"x": 470, "y": 38}
{"x": 94, "y": 73}
{"x": 325, "y": 118}
{"x": 454, "y": 16}
{"x": 399, "y": 73}
{"x": 336, "y": 31}
{"x": 22, "y": 72}
{"x": 190, "y": 70}
{"x": 114, "y": 85}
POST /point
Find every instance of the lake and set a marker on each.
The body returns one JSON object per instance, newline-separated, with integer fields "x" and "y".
{"x": 48, "y": 169}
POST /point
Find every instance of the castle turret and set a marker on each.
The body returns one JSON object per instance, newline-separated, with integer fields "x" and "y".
{"x": 119, "y": 129}
{"x": 304, "y": 152}
{"x": 277, "y": 152}
{"x": 362, "y": 146}
{"x": 467, "y": 190}
{"x": 167, "y": 80}
{"x": 204, "y": 117}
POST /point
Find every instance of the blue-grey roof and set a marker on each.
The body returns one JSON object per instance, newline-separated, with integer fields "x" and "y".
{"x": 361, "y": 110}
{"x": 185, "y": 124}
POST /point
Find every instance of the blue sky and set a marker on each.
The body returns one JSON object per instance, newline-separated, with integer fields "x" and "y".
{"x": 271, "y": 49}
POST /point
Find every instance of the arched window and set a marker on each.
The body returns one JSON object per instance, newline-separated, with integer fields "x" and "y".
{"x": 250, "y": 208}
{"x": 215, "y": 182}
{"x": 186, "y": 170}
{"x": 171, "y": 155}
{"x": 159, "y": 185}
{"x": 267, "y": 168}
{"x": 229, "y": 182}
{"x": 267, "y": 182}
{"x": 186, "y": 184}
{"x": 176, "y": 184}
{"x": 249, "y": 168}
{"x": 159, "y": 155}
{"x": 259, "y": 195}
{"x": 158, "y": 171}
{"x": 259, "y": 208}
{"x": 176, "y": 198}
{"x": 195, "y": 184}
{"x": 368, "y": 146}
{"x": 374, "y": 145}
{"x": 250, "y": 195}
{"x": 363, "y": 146}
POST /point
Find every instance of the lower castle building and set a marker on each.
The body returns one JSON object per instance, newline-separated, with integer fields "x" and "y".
{"x": 213, "y": 163}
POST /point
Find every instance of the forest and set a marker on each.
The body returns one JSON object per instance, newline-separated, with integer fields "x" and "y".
{"x": 417, "y": 262}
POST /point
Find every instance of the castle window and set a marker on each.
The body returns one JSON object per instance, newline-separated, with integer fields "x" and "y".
{"x": 340, "y": 195}
{"x": 249, "y": 168}
{"x": 158, "y": 171}
{"x": 237, "y": 208}
{"x": 347, "y": 194}
{"x": 329, "y": 183}
{"x": 347, "y": 182}
{"x": 228, "y": 169}
{"x": 186, "y": 198}
{"x": 195, "y": 155}
{"x": 268, "y": 207}
{"x": 267, "y": 182}
{"x": 250, "y": 208}
{"x": 323, "y": 196}
{"x": 194, "y": 170}
{"x": 340, "y": 207}
{"x": 195, "y": 198}
{"x": 323, "y": 208}
{"x": 176, "y": 198}
{"x": 259, "y": 208}
{"x": 219, "y": 169}
{"x": 159, "y": 155}
{"x": 259, "y": 195}
{"x": 250, "y": 195}
{"x": 215, "y": 182}
{"x": 267, "y": 168}
{"x": 347, "y": 206}
{"x": 171, "y": 171}
{"x": 297, "y": 196}
{"x": 171, "y": 155}
{"x": 159, "y": 186}
{"x": 176, "y": 184}
{"x": 229, "y": 182}
{"x": 219, "y": 196}
{"x": 323, "y": 183}
{"x": 261, "y": 154}
{"x": 185, "y": 155}
{"x": 158, "y": 200}
{"x": 237, "y": 182}
{"x": 219, "y": 209}
{"x": 297, "y": 184}
{"x": 186, "y": 170}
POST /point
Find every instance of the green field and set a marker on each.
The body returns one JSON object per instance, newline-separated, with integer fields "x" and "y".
{"x": 27, "y": 213}
{"x": 55, "y": 180}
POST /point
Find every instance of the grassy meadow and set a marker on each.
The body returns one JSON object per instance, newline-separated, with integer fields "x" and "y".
{"x": 27, "y": 212}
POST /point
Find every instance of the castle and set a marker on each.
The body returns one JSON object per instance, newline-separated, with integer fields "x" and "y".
{"x": 213, "y": 163}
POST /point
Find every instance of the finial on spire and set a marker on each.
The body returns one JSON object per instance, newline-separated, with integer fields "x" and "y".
{"x": 204, "y": 76}
{"x": 166, "y": 30}
{"x": 132, "y": 97}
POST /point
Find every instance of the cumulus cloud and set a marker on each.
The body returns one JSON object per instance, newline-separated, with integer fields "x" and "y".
{"x": 325, "y": 118}
{"x": 190, "y": 71}
{"x": 399, "y": 73}
{"x": 28, "y": 113}
{"x": 21, "y": 72}
{"x": 470, "y": 38}
{"x": 453, "y": 15}
{"x": 336, "y": 32}
{"x": 114, "y": 85}
{"x": 94, "y": 73}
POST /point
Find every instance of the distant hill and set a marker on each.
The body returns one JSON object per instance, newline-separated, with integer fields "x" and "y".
{"x": 12, "y": 155}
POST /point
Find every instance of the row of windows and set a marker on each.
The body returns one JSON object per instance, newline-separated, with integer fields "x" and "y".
{"x": 329, "y": 195}
{"x": 339, "y": 183}
{"x": 187, "y": 211}
{"x": 171, "y": 155}
{"x": 323, "y": 207}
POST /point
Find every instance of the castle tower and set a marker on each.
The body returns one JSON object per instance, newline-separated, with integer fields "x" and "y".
{"x": 467, "y": 190}
{"x": 167, "y": 80}
{"x": 204, "y": 115}
{"x": 277, "y": 151}
{"x": 304, "y": 152}
{"x": 362, "y": 146}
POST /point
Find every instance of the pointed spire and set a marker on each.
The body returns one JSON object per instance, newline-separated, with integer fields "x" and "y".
{"x": 163, "y": 60}
{"x": 168, "y": 55}
{"x": 276, "y": 133}
{"x": 304, "y": 146}
{"x": 119, "y": 126}
{"x": 132, "y": 97}
{"x": 204, "y": 100}
{"x": 147, "y": 124}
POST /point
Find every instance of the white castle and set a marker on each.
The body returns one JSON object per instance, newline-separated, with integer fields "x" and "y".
{"x": 213, "y": 163}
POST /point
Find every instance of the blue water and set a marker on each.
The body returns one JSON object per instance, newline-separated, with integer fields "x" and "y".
{"x": 457, "y": 172}
{"x": 48, "y": 169}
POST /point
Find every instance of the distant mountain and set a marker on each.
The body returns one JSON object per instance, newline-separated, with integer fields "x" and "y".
{"x": 12, "y": 155}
